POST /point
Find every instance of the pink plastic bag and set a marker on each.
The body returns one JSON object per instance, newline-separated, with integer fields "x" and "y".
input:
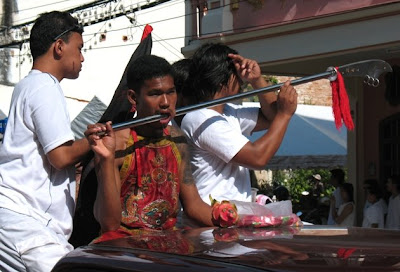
{"x": 271, "y": 215}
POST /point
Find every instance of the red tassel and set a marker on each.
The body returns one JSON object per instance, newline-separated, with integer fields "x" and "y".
{"x": 340, "y": 103}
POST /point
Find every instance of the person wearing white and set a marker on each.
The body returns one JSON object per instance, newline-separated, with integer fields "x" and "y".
{"x": 373, "y": 217}
{"x": 373, "y": 209}
{"x": 37, "y": 158}
{"x": 345, "y": 216}
{"x": 216, "y": 145}
{"x": 349, "y": 220}
{"x": 393, "y": 215}
{"x": 220, "y": 152}
{"x": 336, "y": 179}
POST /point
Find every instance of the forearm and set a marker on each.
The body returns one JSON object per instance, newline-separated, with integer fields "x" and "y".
{"x": 334, "y": 214}
{"x": 107, "y": 208}
{"x": 201, "y": 213}
{"x": 68, "y": 154}
{"x": 267, "y": 100}
{"x": 257, "y": 154}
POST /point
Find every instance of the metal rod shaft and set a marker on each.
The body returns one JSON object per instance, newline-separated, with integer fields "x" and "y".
{"x": 184, "y": 110}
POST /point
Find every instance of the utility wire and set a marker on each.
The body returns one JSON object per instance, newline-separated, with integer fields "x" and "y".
{"x": 149, "y": 5}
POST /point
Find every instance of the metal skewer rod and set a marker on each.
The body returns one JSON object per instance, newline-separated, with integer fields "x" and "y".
{"x": 184, "y": 110}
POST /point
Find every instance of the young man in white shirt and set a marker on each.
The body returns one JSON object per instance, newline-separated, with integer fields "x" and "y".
{"x": 37, "y": 158}
{"x": 220, "y": 152}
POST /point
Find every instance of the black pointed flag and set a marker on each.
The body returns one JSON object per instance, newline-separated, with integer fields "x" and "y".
{"x": 119, "y": 107}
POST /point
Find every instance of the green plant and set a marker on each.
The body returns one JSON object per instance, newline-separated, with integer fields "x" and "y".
{"x": 299, "y": 182}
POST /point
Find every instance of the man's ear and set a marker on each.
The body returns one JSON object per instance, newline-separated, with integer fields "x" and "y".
{"x": 132, "y": 97}
{"x": 58, "y": 48}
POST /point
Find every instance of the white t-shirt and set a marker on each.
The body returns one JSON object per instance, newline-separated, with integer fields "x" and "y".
{"x": 349, "y": 221}
{"x": 381, "y": 202}
{"x": 373, "y": 214}
{"x": 214, "y": 139}
{"x": 338, "y": 202}
{"x": 393, "y": 216}
{"x": 38, "y": 122}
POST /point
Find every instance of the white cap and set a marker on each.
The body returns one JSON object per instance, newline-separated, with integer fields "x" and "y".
{"x": 317, "y": 176}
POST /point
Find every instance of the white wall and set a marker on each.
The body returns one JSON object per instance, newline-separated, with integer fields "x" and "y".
{"x": 105, "y": 61}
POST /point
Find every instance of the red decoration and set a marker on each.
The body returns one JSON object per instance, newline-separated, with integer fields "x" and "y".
{"x": 224, "y": 214}
{"x": 147, "y": 30}
{"x": 340, "y": 103}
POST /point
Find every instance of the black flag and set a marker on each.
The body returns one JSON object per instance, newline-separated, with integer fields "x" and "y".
{"x": 118, "y": 110}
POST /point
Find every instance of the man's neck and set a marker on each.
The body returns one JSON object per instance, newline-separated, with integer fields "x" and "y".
{"x": 150, "y": 133}
{"x": 45, "y": 65}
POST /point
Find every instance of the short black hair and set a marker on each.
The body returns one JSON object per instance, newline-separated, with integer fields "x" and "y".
{"x": 48, "y": 26}
{"x": 375, "y": 190}
{"x": 396, "y": 181}
{"x": 368, "y": 183}
{"x": 349, "y": 189}
{"x": 147, "y": 67}
{"x": 281, "y": 193}
{"x": 338, "y": 174}
{"x": 181, "y": 74}
{"x": 211, "y": 68}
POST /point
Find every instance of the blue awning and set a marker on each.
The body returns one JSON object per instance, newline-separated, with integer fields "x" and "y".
{"x": 311, "y": 141}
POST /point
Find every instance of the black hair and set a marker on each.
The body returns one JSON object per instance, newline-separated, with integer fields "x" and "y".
{"x": 396, "y": 182}
{"x": 281, "y": 193}
{"x": 348, "y": 188}
{"x": 181, "y": 74}
{"x": 211, "y": 68}
{"x": 147, "y": 67}
{"x": 375, "y": 190}
{"x": 338, "y": 174}
{"x": 47, "y": 27}
{"x": 370, "y": 183}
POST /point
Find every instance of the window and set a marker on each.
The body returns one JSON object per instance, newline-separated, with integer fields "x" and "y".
{"x": 390, "y": 146}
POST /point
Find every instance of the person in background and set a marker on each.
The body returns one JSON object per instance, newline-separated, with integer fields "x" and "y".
{"x": 345, "y": 216}
{"x": 373, "y": 213}
{"x": 281, "y": 193}
{"x": 37, "y": 158}
{"x": 336, "y": 179}
{"x": 221, "y": 154}
{"x": 393, "y": 215}
{"x": 318, "y": 186}
{"x": 373, "y": 183}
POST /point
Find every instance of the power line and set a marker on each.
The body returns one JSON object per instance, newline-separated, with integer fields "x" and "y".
{"x": 99, "y": 19}
{"x": 141, "y": 25}
{"x": 36, "y": 7}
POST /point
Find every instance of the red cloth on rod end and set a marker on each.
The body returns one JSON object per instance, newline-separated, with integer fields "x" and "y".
{"x": 340, "y": 103}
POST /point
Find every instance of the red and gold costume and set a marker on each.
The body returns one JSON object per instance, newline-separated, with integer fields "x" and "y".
{"x": 150, "y": 184}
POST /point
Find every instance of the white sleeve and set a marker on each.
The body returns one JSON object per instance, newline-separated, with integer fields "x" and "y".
{"x": 213, "y": 134}
{"x": 247, "y": 116}
{"x": 50, "y": 117}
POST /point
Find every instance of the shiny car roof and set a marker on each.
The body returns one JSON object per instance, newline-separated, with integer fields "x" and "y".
{"x": 309, "y": 248}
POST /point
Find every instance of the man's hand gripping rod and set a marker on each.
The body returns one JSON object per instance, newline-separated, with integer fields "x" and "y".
{"x": 370, "y": 70}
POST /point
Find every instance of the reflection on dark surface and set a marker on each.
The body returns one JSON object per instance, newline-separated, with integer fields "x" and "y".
{"x": 288, "y": 249}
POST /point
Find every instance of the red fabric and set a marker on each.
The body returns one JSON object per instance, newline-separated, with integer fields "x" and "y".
{"x": 345, "y": 253}
{"x": 147, "y": 30}
{"x": 340, "y": 103}
{"x": 150, "y": 185}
